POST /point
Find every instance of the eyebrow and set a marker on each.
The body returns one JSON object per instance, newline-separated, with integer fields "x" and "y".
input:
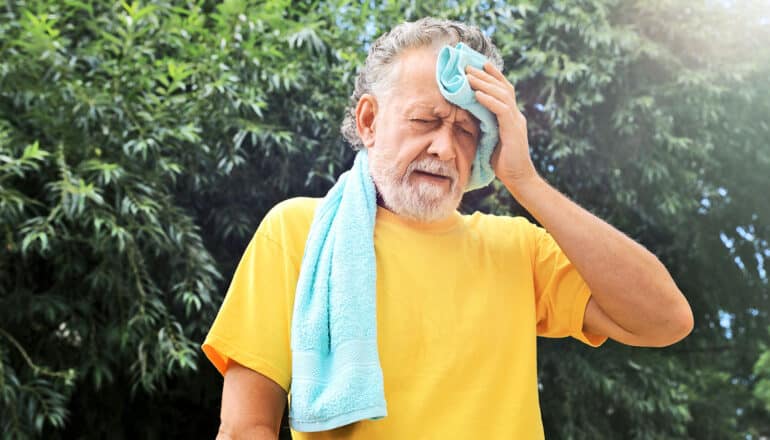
{"x": 466, "y": 116}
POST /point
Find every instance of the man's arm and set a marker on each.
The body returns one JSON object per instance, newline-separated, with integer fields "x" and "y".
{"x": 252, "y": 405}
{"x": 634, "y": 299}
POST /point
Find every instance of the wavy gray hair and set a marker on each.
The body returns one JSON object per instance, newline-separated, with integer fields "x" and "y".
{"x": 374, "y": 77}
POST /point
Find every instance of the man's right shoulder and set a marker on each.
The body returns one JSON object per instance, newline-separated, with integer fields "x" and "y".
{"x": 291, "y": 216}
{"x": 295, "y": 207}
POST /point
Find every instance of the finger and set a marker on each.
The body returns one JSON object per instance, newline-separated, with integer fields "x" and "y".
{"x": 492, "y": 75}
{"x": 494, "y": 71}
{"x": 496, "y": 106}
{"x": 497, "y": 73}
{"x": 506, "y": 116}
{"x": 492, "y": 87}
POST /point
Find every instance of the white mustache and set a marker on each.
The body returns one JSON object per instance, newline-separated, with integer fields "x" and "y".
{"x": 434, "y": 167}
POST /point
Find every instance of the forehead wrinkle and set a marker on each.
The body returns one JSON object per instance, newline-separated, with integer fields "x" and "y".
{"x": 461, "y": 116}
{"x": 465, "y": 116}
{"x": 420, "y": 107}
{"x": 417, "y": 105}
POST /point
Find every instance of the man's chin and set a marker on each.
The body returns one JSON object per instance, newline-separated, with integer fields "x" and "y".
{"x": 423, "y": 209}
{"x": 418, "y": 199}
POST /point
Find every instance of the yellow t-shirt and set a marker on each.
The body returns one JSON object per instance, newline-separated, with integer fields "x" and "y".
{"x": 459, "y": 305}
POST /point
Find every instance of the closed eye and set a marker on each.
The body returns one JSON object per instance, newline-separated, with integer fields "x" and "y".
{"x": 465, "y": 131}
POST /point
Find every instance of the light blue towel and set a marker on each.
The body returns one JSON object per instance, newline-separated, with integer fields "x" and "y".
{"x": 336, "y": 373}
{"x": 453, "y": 84}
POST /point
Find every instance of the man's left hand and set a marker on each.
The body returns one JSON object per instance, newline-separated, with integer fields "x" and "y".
{"x": 511, "y": 160}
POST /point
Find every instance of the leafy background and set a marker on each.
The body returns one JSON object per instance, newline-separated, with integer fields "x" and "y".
{"x": 141, "y": 144}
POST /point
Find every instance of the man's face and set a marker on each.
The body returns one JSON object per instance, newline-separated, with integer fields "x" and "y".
{"x": 423, "y": 146}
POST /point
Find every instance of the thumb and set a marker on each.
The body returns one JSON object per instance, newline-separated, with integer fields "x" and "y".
{"x": 493, "y": 161}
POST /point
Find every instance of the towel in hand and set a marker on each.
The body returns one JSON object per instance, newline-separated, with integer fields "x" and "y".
{"x": 336, "y": 373}
{"x": 453, "y": 84}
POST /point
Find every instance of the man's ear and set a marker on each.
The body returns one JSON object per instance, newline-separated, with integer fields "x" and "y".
{"x": 366, "y": 112}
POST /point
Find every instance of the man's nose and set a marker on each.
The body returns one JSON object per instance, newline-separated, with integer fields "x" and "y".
{"x": 444, "y": 143}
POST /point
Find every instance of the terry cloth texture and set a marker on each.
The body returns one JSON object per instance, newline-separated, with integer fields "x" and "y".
{"x": 336, "y": 374}
{"x": 453, "y": 84}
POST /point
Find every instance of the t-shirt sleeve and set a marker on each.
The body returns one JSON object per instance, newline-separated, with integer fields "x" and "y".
{"x": 561, "y": 294}
{"x": 253, "y": 323}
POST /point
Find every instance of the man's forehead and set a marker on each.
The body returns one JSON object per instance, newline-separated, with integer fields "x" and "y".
{"x": 418, "y": 90}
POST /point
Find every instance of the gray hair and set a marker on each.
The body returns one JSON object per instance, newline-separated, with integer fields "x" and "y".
{"x": 374, "y": 77}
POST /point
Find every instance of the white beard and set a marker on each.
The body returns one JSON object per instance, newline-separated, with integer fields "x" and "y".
{"x": 421, "y": 201}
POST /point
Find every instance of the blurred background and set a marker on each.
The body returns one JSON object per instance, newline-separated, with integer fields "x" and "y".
{"x": 141, "y": 144}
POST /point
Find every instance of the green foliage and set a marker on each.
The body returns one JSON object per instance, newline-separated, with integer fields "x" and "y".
{"x": 142, "y": 142}
{"x": 762, "y": 370}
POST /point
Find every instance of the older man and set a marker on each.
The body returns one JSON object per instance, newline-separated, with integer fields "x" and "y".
{"x": 460, "y": 298}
